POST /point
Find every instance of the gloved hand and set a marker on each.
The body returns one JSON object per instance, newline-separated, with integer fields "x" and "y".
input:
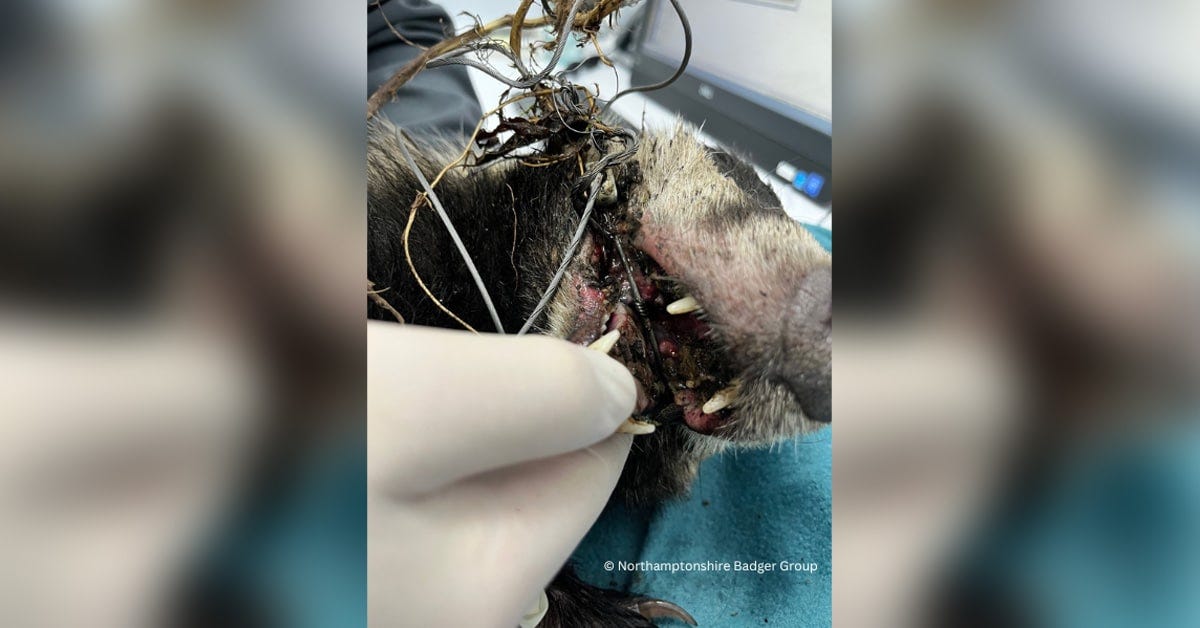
{"x": 489, "y": 458}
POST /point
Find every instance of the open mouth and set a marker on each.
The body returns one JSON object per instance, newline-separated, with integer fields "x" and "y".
{"x": 662, "y": 333}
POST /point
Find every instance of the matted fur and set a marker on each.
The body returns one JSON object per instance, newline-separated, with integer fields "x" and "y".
{"x": 704, "y": 216}
{"x": 712, "y": 224}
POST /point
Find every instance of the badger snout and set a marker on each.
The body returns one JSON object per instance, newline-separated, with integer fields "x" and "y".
{"x": 807, "y": 342}
{"x": 787, "y": 370}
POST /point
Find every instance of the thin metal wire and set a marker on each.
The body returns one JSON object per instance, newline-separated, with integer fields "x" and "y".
{"x": 687, "y": 56}
{"x": 524, "y": 81}
{"x": 650, "y": 349}
{"x": 482, "y": 67}
{"x": 567, "y": 257}
{"x": 596, "y": 174}
{"x": 441, "y": 211}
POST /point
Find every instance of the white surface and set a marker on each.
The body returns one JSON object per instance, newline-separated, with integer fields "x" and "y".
{"x": 634, "y": 107}
{"x": 780, "y": 49}
{"x": 637, "y": 108}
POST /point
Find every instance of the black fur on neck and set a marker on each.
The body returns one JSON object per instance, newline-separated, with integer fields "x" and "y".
{"x": 514, "y": 220}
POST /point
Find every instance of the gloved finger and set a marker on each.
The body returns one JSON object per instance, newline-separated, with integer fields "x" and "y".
{"x": 513, "y": 529}
{"x": 444, "y": 405}
{"x": 557, "y": 502}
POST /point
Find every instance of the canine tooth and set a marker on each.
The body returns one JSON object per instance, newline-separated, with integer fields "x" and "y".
{"x": 717, "y": 403}
{"x": 636, "y": 428}
{"x": 720, "y": 400}
{"x": 684, "y": 305}
{"x": 605, "y": 343}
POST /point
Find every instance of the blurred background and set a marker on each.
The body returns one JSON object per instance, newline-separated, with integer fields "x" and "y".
{"x": 181, "y": 390}
{"x": 1018, "y": 198}
{"x": 181, "y": 234}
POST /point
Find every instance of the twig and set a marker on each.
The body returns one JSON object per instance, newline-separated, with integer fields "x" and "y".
{"x": 412, "y": 215}
{"x": 586, "y": 21}
{"x": 433, "y": 184}
{"x": 600, "y": 53}
{"x": 556, "y": 111}
{"x": 382, "y": 302}
{"x": 518, "y": 21}
{"x": 397, "y": 33}
{"x": 512, "y": 254}
{"x": 479, "y": 126}
{"x": 525, "y": 81}
{"x": 462, "y": 249}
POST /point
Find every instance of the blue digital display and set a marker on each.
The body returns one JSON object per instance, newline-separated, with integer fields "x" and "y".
{"x": 810, "y": 183}
{"x": 813, "y": 185}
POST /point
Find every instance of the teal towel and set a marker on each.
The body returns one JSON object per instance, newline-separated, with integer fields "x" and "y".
{"x": 768, "y": 511}
{"x": 824, "y": 236}
{"x": 766, "y": 506}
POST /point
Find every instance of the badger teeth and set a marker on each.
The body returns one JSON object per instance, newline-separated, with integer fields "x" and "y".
{"x": 684, "y": 305}
{"x": 604, "y": 344}
{"x": 721, "y": 400}
{"x": 637, "y": 428}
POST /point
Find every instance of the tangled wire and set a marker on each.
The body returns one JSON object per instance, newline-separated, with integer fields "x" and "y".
{"x": 552, "y": 105}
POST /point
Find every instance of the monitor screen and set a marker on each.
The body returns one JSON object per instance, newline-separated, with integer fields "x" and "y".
{"x": 775, "y": 53}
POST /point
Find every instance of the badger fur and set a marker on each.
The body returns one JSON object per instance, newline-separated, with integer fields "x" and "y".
{"x": 700, "y": 216}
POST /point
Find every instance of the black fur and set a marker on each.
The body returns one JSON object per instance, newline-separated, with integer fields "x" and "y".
{"x": 516, "y": 222}
{"x": 577, "y": 604}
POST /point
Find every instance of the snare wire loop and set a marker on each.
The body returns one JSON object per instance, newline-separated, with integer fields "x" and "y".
{"x": 559, "y": 119}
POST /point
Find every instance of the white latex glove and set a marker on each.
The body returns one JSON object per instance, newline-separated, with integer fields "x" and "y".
{"x": 489, "y": 458}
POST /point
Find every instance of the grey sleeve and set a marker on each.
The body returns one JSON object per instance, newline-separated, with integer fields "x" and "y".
{"x": 439, "y": 100}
